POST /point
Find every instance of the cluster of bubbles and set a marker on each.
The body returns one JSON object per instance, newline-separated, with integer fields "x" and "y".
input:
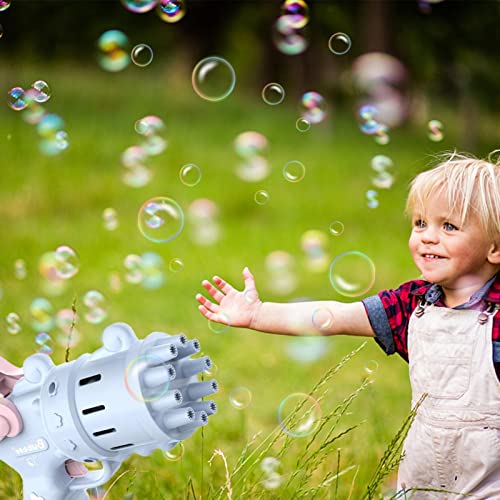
{"x": 314, "y": 245}
{"x": 204, "y": 226}
{"x": 270, "y": 467}
{"x": 169, "y": 11}
{"x": 286, "y": 30}
{"x": 273, "y": 94}
{"x": 435, "y": 133}
{"x": 213, "y": 78}
{"x": 151, "y": 128}
{"x": 49, "y": 126}
{"x": 352, "y": 273}
{"x": 250, "y": 147}
{"x": 299, "y": 415}
{"x": 240, "y": 398}
{"x": 147, "y": 269}
{"x": 281, "y": 274}
{"x": 114, "y": 53}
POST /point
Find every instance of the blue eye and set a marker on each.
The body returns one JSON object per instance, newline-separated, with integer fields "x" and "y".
{"x": 449, "y": 227}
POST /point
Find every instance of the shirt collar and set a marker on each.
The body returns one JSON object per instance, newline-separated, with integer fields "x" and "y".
{"x": 489, "y": 292}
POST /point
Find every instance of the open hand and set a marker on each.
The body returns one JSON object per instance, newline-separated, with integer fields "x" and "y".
{"x": 231, "y": 307}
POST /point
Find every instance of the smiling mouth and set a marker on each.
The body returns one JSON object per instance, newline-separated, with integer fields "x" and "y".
{"x": 431, "y": 256}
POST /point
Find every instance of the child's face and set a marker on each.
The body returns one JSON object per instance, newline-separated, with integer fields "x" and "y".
{"x": 446, "y": 252}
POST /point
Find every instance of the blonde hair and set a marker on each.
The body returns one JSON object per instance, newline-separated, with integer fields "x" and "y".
{"x": 470, "y": 186}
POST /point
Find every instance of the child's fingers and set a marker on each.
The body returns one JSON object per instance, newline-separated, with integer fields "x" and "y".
{"x": 249, "y": 279}
{"x": 223, "y": 285}
{"x": 216, "y": 294}
{"x": 207, "y": 304}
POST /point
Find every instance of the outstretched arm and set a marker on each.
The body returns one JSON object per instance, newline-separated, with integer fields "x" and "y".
{"x": 245, "y": 309}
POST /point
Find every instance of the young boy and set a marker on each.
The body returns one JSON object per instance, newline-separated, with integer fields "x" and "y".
{"x": 446, "y": 325}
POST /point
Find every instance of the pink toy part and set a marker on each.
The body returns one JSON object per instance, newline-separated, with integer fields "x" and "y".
{"x": 9, "y": 375}
{"x": 11, "y": 423}
{"x": 75, "y": 469}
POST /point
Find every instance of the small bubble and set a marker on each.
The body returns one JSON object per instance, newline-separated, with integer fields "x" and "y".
{"x": 1, "y": 31}
{"x": 16, "y": 99}
{"x": 43, "y": 92}
{"x": 45, "y": 343}
{"x": 313, "y": 107}
{"x": 273, "y": 94}
{"x": 171, "y": 11}
{"x": 219, "y": 328}
{"x": 20, "y": 270}
{"x": 190, "y": 174}
{"x": 110, "y": 219}
{"x": 113, "y": 46}
{"x": 176, "y": 265}
{"x": 261, "y": 197}
{"x": 372, "y": 198}
{"x": 435, "y": 131}
{"x": 176, "y": 453}
{"x": 240, "y": 398}
{"x": 13, "y": 323}
{"x": 95, "y": 303}
{"x": 133, "y": 265}
{"x": 139, "y": 6}
{"x": 142, "y": 55}
{"x": 371, "y": 366}
{"x": 4, "y": 5}
{"x": 213, "y": 78}
{"x": 322, "y": 319}
{"x": 294, "y": 171}
{"x": 302, "y": 125}
{"x": 339, "y": 43}
{"x": 336, "y": 228}
{"x": 66, "y": 262}
{"x": 42, "y": 314}
{"x": 212, "y": 371}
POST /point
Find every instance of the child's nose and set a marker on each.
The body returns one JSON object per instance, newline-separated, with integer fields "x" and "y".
{"x": 430, "y": 235}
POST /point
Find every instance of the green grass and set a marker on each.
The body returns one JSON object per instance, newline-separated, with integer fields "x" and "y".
{"x": 49, "y": 201}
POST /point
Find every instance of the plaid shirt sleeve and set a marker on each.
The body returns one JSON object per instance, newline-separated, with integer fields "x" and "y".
{"x": 389, "y": 313}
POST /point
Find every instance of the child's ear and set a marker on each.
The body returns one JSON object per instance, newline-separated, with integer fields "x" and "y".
{"x": 494, "y": 253}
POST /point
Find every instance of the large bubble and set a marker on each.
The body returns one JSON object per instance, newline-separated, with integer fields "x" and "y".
{"x": 160, "y": 219}
{"x": 213, "y": 78}
{"x": 299, "y": 414}
{"x": 352, "y": 273}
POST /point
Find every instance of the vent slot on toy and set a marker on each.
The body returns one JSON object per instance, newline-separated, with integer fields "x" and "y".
{"x": 121, "y": 446}
{"x": 104, "y": 431}
{"x": 90, "y": 380}
{"x": 94, "y": 409}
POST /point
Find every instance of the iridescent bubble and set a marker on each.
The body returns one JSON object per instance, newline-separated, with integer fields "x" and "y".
{"x": 34, "y": 112}
{"x": 176, "y": 265}
{"x": 212, "y": 371}
{"x": 381, "y": 164}
{"x": 114, "y": 51}
{"x": 47, "y": 266}
{"x": 137, "y": 174}
{"x": 152, "y": 268}
{"x": 62, "y": 141}
{"x": 240, "y": 398}
{"x": 176, "y": 453}
{"x": 20, "y": 270}
{"x": 13, "y": 323}
{"x": 133, "y": 265}
{"x": 43, "y": 92}
{"x": 298, "y": 11}
{"x": 372, "y": 198}
{"x": 285, "y": 36}
{"x": 280, "y": 266}
{"x": 149, "y": 125}
{"x": 253, "y": 169}
{"x": 313, "y": 107}
{"x": 42, "y": 314}
{"x": 314, "y": 244}
{"x": 95, "y": 302}
{"x": 435, "y": 131}
{"x": 45, "y": 343}
{"x": 249, "y": 144}
{"x": 66, "y": 262}
{"x": 294, "y": 171}
{"x": 302, "y": 125}
{"x": 219, "y": 328}
{"x": 141, "y": 55}
{"x": 273, "y": 93}
{"x": 66, "y": 321}
{"x": 171, "y": 11}
{"x": 16, "y": 99}
{"x": 213, "y": 78}
{"x": 336, "y": 228}
{"x": 352, "y": 273}
{"x": 339, "y": 43}
{"x": 1, "y": 31}
{"x": 190, "y": 174}
{"x": 261, "y": 197}
{"x": 371, "y": 366}
{"x": 154, "y": 145}
{"x": 110, "y": 219}
{"x": 202, "y": 216}
{"x": 160, "y": 219}
{"x": 4, "y": 5}
{"x": 115, "y": 282}
{"x": 49, "y": 125}
{"x": 139, "y": 6}
{"x": 322, "y": 319}
{"x": 272, "y": 479}
{"x": 299, "y": 414}
{"x": 307, "y": 349}
{"x": 142, "y": 380}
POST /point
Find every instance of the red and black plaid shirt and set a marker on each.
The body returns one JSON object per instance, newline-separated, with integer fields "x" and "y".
{"x": 389, "y": 312}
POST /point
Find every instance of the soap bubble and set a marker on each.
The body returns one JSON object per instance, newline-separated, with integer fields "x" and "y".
{"x": 138, "y": 376}
{"x": 371, "y": 366}
{"x": 49, "y": 125}
{"x": 114, "y": 52}
{"x": 13, "y": 323}
{"x": 150, "y": 125}
{"x": 142, "y": 55}
{"x": 313, "y": 107}
{"x": 66, "y": 262}
{"x": 171, "y": 11}
{"x": 160, "y": 219}
{"x": 261, "y": 197}
{"x": 4, "y": 5}
{"x": 273, "y": 93}
{"x": 110, "y": 219}
{"x": 297, "y": 11}
{"x": 213, "y": 78}
{"x": 66, "y": 321}
{"x": 322, "y": 319}
{"x": 45, "y": 343}
{"x": 381, "y": 164}
{"x": 176, "y": 453}
{"x": 43, "y": 92}
{"x": 190, "y": 174}
{"x": 285, "y": 36}
{"x": 152, "y": 267}
{"x": 352, "y": 273}
{"x": 435, "y": 131}
{"x": 253, "y": 169}
{"x": 176, "y": 265}
{"x": 42, "y": 314}
{"x": 339, "y": 43}
{"x": 248, "y": 144}
{"x": 133, "y": 265}
{"x": 1, "y": 31}
{"x": 240, "y": 398}
{"x": 299, "y": 414}
{"x": 95, "y": 303}
{"x": 336, "y": 228}
{"x": 302, "y": 125}
{"x": 250, "y": 295}
{"x": 20, "y": 270}
{"x": 294, "y": 171}
{"x": 139, "y": 6}
{"x": 307, "y": 349}
{"x": 372, "y": 198}
{"x": 16, "y": 99}
{"x": 219, "y": 328}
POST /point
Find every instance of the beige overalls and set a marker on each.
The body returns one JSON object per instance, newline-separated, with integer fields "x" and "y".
{"x": 454, "y": 442}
